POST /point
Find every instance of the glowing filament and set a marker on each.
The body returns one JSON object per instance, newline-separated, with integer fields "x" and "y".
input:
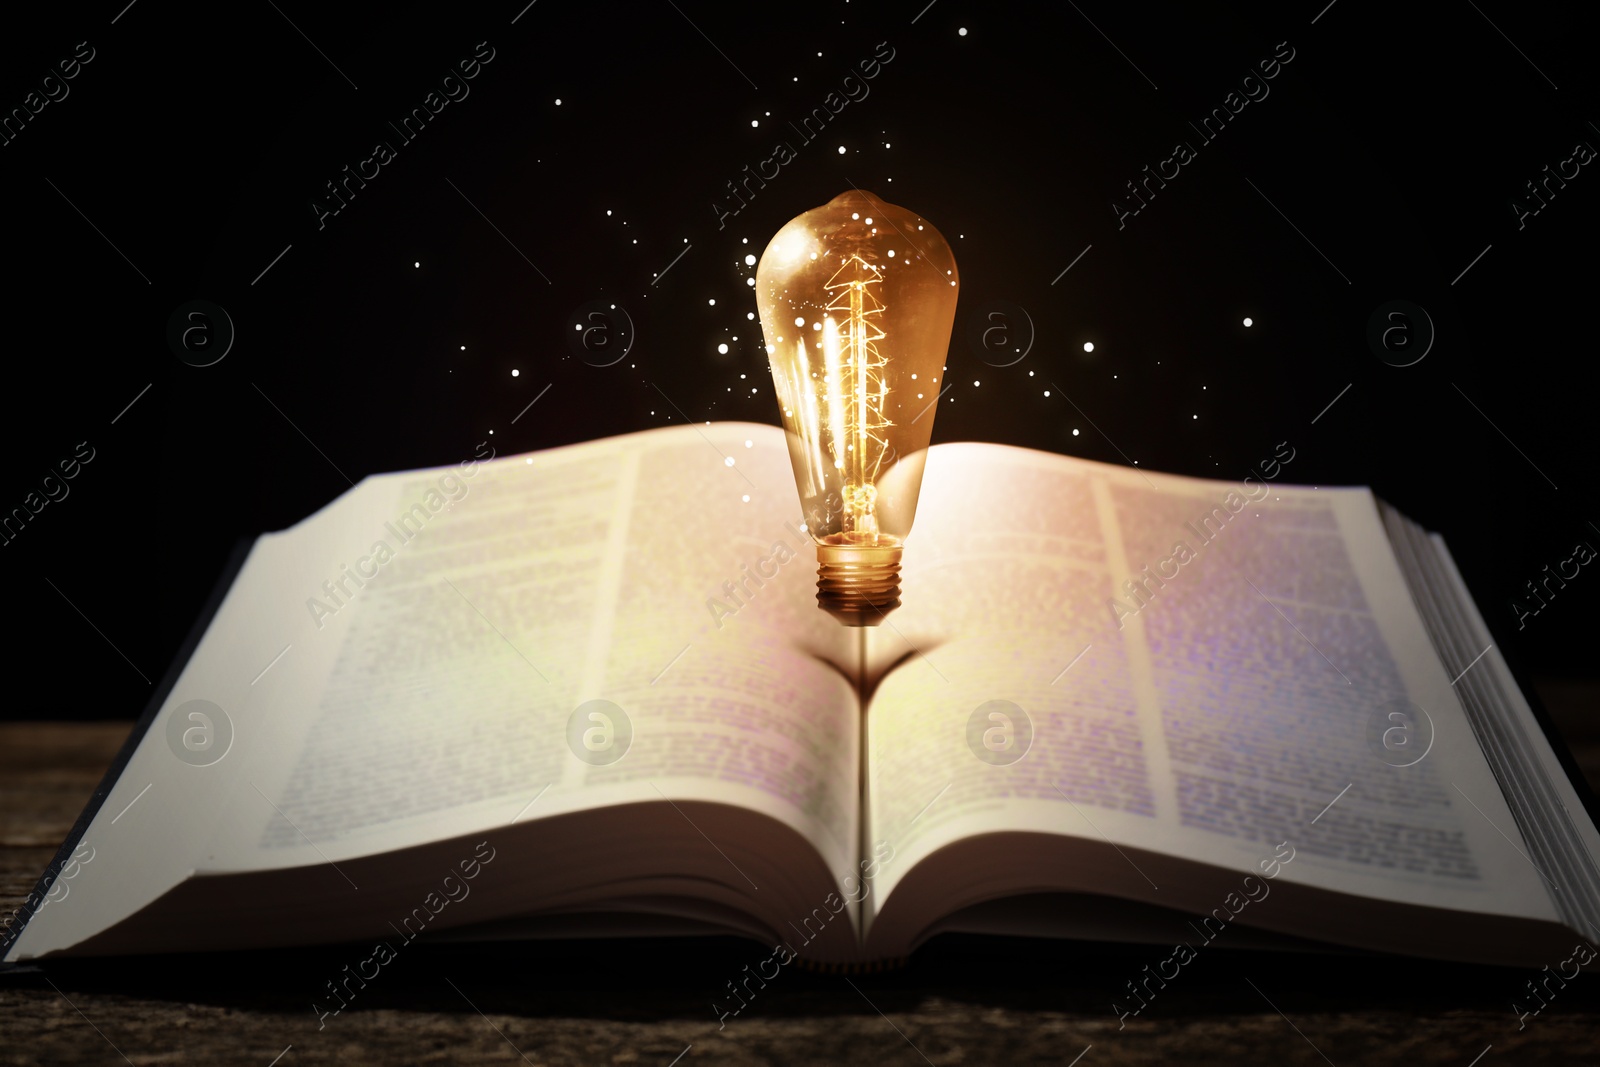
{"x": 857, "y": 389}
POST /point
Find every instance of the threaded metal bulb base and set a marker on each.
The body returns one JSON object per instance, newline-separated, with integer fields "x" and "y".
{"x": 858, "y": 584}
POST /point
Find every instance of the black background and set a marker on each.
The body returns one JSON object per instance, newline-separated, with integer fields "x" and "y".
{"x": 188, "y": 153}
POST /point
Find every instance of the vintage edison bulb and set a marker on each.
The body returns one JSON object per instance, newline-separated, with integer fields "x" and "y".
{"x": 857, "y": 298}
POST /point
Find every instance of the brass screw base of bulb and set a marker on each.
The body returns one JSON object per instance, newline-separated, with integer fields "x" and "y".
{"x": 858, "y": 584}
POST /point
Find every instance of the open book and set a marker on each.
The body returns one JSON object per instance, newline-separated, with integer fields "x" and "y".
{"x": 588, "y": 692}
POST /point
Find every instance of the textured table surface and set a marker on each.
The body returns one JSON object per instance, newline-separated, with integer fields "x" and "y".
{"x": 650, "y": 1003}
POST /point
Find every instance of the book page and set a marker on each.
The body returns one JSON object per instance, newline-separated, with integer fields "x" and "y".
{"x": 436, "y": 631}
{"x": 1201, "y": 675}
{"x": 582, "y": 576}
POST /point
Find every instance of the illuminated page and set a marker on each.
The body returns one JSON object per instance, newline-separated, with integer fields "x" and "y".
{"x": 1209, "y": 714}
{"x": 402, "y": 668}
{"x": 583, "y": 575}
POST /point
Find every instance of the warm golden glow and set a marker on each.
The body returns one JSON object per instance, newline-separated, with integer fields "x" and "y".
{"x": 858, "y": 382}
{"x": 857, "y": 298}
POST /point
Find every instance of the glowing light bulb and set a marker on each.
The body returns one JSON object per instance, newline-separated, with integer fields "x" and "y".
{"x": 858, "y": 433}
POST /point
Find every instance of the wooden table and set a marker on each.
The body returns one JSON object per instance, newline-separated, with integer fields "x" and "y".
{"x": 647, "y": 1003}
